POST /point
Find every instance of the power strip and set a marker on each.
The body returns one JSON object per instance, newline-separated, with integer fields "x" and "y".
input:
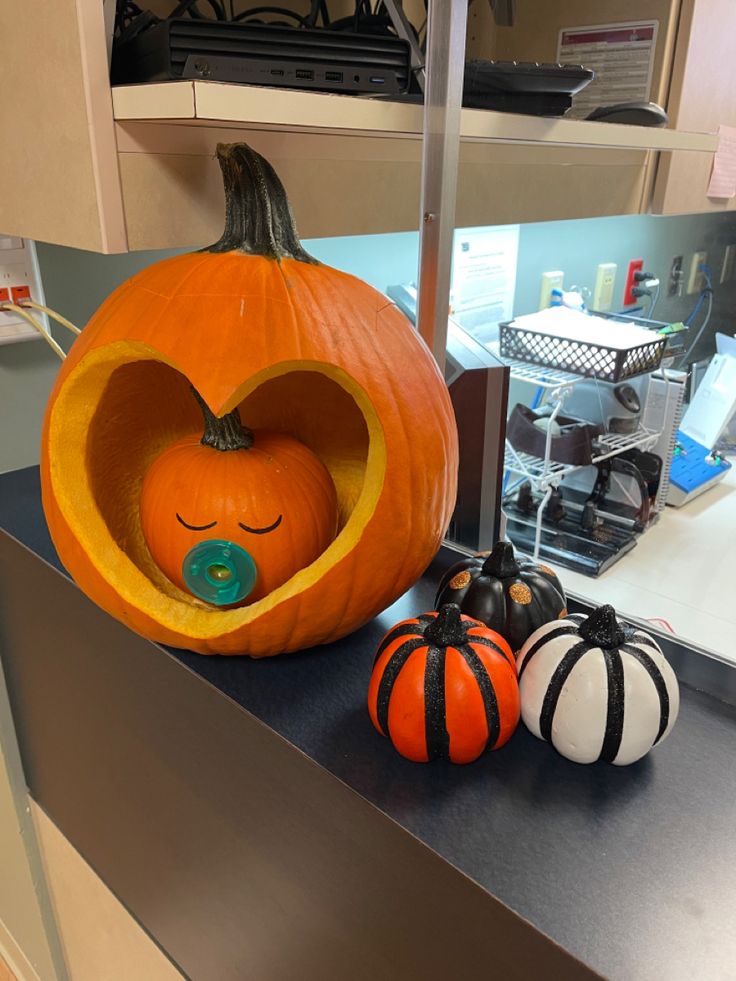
{"x": 20, "y": 279}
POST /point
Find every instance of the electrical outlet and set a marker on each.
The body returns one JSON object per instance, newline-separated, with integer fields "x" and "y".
{"x": 550, "y": 281}
{"x": 636, "y": 265}
{"x": 20, "y": 279}
{"x": 695, "y": 279}
{"x": 674, "y": 287}
{"x": 604, "y": 281}
{"x": 18, "y": 293}
{"x": 728, "y": 269}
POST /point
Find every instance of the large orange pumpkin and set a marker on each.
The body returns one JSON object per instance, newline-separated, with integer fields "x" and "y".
{"x": 252, "y": 323}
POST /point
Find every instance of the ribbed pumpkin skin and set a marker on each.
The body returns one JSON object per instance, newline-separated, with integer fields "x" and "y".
{"x": 602, "y": 692}
{"x": 225, "y": 321}
{"x": 437, "y": 702}
{"x": 277, "y": 479}
{"x": 513, "y": 604}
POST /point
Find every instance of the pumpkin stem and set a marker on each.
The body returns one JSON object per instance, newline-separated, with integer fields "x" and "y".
{"x": 223, "y": 432}
{"x": 258, "y": 218}
{"x": 501, "y": 563}
{"x": 447, "y": 629}
{"x": 602, "y": 629}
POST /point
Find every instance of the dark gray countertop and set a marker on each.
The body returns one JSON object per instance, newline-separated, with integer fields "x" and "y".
{"x": 632, "y": 870}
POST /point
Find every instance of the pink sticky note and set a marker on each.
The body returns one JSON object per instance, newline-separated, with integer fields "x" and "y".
{"x": 723, "y": 179}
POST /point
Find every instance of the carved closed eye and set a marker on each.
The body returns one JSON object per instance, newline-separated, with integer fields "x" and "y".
{"x": 194, "y": 527}
{"x": 262, "y": 531}
{"x": 252, "y": 531}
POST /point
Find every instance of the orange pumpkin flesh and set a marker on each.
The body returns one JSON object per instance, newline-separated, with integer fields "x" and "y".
{"x": 298, "y": 348}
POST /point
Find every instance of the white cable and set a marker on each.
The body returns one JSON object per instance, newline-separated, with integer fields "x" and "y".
{"x": 51, "y": 313}
{"x": 653, "y": 303}
{"x": 694, "y": 344}
{"x": 35, "y": 324}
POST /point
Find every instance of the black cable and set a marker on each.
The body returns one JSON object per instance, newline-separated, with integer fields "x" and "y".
{"x": 190, "y": 7}
{"x": 280, "y": 11}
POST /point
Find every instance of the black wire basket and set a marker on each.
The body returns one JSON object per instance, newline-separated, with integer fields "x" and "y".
{"x": 584, "y": 358}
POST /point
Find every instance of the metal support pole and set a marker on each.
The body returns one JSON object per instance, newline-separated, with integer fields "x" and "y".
{"x": 446, "y": 25}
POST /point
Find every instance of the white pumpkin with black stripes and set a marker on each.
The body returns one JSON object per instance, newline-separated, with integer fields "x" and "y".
{"x": 597, "y": 688}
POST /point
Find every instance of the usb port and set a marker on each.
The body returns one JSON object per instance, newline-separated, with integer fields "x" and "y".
{"x": 304, "y": 73}
{"x": 377, "y": 79}
{"x": 277, "y": 71}
{"x": 333, "y": 76}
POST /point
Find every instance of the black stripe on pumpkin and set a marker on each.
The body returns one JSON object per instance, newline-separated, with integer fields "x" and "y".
{"x": 435, "y": 708}
{"x": 639, "y": 638}
{"x": 487, "y": 691}
{"x": 659, "y": 683}
{"x": 402, "y": 630}
{"x": 558, "y": 679}
{"x": 539, "y": 644}
{"x": 487, "y": 642}
{"x": 615, "y": 711}
{"x": 388, "y": 679}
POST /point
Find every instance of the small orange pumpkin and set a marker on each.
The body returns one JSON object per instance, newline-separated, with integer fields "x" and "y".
{"x": 444, "y": 687}
{"x": 257, "y": 324}
{"x": 233, "y": 514}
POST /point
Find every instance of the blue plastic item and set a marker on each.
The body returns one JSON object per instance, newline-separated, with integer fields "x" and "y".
{"x": 693, "y": 469}
{"x": 219, "y": 572}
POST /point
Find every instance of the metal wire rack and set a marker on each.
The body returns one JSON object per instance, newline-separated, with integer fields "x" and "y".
{"x": 543, "y": 473}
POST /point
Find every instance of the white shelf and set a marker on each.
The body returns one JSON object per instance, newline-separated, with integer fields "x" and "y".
{"x": 200, "y": 103}
{"x": 608, "y": 445}
{"x": 611, "y": 444}
{"x": 533, "y": 468}
{"x": 542, "y": 377}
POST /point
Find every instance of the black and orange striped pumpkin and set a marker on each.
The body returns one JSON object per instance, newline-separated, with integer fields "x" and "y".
{"x": 444, "y": 687}
{"x": 510, "y": 596}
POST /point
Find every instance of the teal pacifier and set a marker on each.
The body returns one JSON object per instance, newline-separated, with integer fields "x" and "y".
{"x": 219, "y": 572}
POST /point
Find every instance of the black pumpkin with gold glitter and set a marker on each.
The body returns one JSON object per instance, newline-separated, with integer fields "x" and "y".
{"x": 510, "y": 596}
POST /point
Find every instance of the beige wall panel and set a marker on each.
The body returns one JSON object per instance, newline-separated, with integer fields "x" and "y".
{"x": 508, "y": 184}
{"x": 361, "y": 185}
{"x": 703, "y": 96}
{"x": 175, "y": 200}
{"x": 337, "y": 186}
{"x": 58, "y": 170}
{"x": 101, "y": 940}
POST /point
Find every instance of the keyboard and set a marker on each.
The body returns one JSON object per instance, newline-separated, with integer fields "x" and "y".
{"x": 528, "y": 87}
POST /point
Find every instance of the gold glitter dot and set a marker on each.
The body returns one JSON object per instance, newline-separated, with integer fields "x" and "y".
{"x": 520, "y": 593}
{"x": 546, "y": 569}
{"x": 563, "y": 614}
{"x": 460, "y": 581}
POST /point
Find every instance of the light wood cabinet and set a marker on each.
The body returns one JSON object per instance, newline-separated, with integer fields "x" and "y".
{"x": 702, "y": 96}
{"x": 134, "y": 168}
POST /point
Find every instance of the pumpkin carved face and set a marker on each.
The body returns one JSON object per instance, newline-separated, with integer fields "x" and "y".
{"x": 300, "y": 349}
{"x": 232, "y": 515}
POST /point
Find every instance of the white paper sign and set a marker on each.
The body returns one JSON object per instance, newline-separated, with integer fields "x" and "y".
{"x": 622, "y": 57}
{"x": 484, "y": 278}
